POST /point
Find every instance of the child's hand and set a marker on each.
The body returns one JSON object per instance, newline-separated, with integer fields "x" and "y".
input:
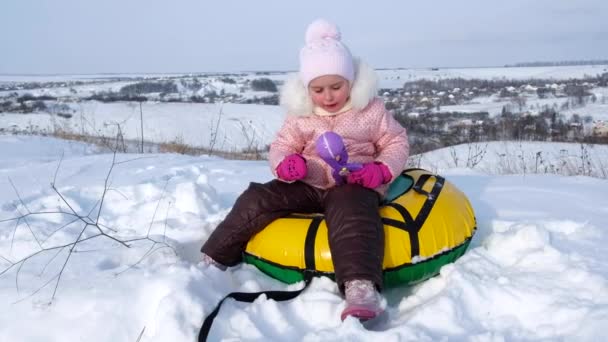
{"x": 371, "y": 175}
{"x": 292, "y": 168}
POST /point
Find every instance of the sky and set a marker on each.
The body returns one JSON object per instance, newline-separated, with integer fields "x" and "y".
{"x": 114, "y": 36}
{"x": 536, "y": 269}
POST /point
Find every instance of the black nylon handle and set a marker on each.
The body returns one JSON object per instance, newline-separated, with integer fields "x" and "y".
{"x": 249, "y": 297}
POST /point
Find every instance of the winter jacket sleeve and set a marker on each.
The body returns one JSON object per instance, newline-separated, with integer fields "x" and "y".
{"x": 289, "y": 140}
{"x": 391, "y": 141}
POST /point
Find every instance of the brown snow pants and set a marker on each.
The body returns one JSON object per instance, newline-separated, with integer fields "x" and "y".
{"x": 356, "y": 235}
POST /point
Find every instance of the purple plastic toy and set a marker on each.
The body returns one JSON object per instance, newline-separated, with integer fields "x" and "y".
{"x": 330, "y": 147}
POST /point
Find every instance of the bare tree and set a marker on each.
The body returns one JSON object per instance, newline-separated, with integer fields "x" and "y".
{"x": 475, "y": 154}
{"x": 454, "y": 155}
{"x": 88, "y": 227}
{"x": 214, "y": 131}
{"x": 248, "y": 131}
{"x": 141, "y": 120}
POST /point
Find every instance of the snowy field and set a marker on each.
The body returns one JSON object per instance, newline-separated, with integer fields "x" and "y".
{"x": 389, "y": 78}
{"x": 226, "y": 127}
{"x": 494, "y": 105}
{"x": 510, "y": 157}
{"x": 394, "y": 78}
{"x": 233, "y": 127}
{"x": 537, "y": 269}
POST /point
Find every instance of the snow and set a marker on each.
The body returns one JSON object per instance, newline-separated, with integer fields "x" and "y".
{"x": 523, "y": 157}
{"x": 394, "y": 78}
{"x": 241, "y": 126}
{"x": 536, "y": 270}
{"x": 493, "y": 105}
{"x": 389, "y": 78}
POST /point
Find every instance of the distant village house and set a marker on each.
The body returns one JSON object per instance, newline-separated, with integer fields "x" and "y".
{"x": 600, "y": 129}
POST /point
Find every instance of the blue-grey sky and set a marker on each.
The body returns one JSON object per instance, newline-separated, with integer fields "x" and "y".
{"x": 133, "y": 36}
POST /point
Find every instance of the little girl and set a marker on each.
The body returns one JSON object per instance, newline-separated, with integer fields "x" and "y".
{"x": 331, "y": 92}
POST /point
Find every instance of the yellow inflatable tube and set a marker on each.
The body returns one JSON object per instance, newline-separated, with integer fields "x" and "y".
{"x": 428, "y": 223}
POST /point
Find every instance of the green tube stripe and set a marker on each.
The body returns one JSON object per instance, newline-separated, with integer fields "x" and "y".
{"x": 410, "y": 274}
{"x": 286, "y": 274}
{"x": 407, "y": 274}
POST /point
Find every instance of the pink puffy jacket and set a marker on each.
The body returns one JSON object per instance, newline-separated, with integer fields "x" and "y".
{"x": 370, "y": 133}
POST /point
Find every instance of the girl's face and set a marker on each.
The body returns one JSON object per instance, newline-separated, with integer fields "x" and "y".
{"x": 330, "y": 92}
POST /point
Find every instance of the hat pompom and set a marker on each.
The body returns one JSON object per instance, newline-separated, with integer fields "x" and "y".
{"x": 321, "y": 29}
{"x": 324, "y": 53}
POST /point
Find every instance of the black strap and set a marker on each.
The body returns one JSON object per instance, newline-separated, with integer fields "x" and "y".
{"x": 420, "y": 183}
{"x": 249, "y": 297}
{"x": 408, "y": 224}
{"x": 413, "y": 225}
{"x": 309, "y": 243}
{"x": 430, "y": 200}
{"x": 280, "y": 296}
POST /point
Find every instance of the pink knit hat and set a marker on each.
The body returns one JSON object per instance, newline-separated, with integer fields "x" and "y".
{"x": 324, "y": 53}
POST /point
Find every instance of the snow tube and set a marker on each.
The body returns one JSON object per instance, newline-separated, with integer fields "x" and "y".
{"x": 428, "y": 223}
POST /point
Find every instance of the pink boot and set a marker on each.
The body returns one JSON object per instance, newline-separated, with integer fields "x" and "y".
{"x": 207, "y": 260}
{"x": 362, "y": 300}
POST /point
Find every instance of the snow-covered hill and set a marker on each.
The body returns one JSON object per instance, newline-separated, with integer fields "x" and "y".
{"x": 175, "y": 110}
{"x": 537, "y": 268}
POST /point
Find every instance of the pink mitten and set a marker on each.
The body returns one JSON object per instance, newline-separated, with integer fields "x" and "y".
{"x": 371, "y": 175}
{"x": 292, "y": 168}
